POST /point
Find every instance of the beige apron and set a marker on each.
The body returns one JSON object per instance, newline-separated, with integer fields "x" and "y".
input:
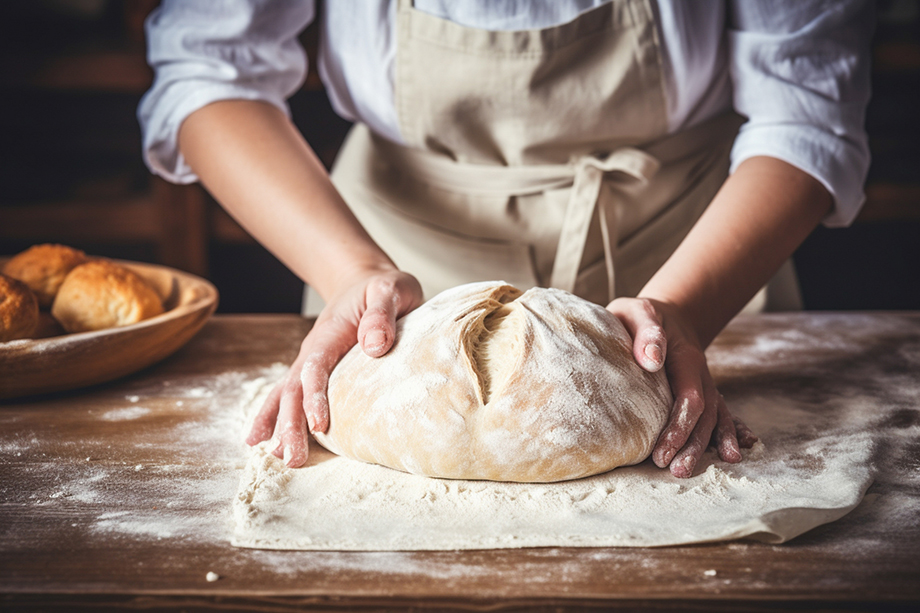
{"x": 537, "y": 157}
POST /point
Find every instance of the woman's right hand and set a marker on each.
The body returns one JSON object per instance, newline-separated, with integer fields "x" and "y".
{"x": 365, "y": 312}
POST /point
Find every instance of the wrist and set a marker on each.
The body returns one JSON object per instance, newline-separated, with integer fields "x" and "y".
{"x": 357, "y": 269}
{"x": 674, "y": 312}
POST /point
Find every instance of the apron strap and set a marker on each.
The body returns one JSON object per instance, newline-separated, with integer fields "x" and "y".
{"x": 583, "y": 199}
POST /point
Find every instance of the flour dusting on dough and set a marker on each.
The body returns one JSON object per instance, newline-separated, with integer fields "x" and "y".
{"x": 486, "y": 382}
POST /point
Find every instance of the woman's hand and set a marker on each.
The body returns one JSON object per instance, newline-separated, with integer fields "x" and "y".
{"x": 364, "y": 313}
{"x": 762, "y": 213}
{"x": 662, "y": 338}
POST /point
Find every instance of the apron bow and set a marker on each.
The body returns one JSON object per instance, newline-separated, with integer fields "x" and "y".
{"x": 589, "y": 173}
{"x": 583, "y": 175}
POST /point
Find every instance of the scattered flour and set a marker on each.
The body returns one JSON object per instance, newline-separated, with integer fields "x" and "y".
{"x": 861, "y": 378}
{"x": 125, "y": 414}
{"x": 199, "y": 392}
{"x": 171, "y": 494}
{"x": 779, "y": 491}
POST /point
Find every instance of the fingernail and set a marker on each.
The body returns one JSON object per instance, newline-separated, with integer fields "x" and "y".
{"x": 374, "y": 340}
{"x": 311, "y": 425}
{"x": 662, "y": 457}
{"x": 653, "y": 353}
{"x": 685, "y": 467}
{"x": 730, "y": 452}
{"x": 287, "y": 455}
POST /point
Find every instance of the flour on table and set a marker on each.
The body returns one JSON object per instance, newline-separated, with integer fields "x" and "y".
{"x": 803, "y": 475}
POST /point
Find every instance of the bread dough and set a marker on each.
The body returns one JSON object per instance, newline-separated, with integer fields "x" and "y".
{"x": 485, "y": 382}
{"x": 102, "y": 294}
{"x": 18, "y": 310}
{"x": 43, "y": 268}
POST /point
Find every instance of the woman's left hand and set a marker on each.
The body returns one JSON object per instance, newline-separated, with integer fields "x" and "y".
{"x": 662, "y": 338}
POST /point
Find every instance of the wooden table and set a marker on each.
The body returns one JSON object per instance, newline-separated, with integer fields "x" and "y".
{"x": 119, "y": 496}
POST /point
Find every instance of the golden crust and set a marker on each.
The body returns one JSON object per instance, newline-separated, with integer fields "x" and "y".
{"x": 102, "y": 294}
{"x": 43, "y": 268}
{"x": 18, "y": 310}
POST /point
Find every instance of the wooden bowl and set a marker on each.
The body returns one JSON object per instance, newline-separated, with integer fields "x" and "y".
{"x": 70, "y": 361}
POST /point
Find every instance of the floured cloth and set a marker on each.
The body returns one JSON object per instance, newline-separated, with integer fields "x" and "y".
{"x": 809, "y": 470}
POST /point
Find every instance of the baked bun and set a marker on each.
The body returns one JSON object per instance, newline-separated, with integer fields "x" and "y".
{"x": 102, "y": 294}
{"x": 43, "y": 268}
{"x": 485, "y": 382}
{"x": 18, "y": 310}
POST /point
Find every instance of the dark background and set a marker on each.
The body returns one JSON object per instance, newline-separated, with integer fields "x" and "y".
{"x": 72, "y": 73}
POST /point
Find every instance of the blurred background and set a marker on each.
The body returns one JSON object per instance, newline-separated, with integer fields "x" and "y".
{"x": 72, "y": 73}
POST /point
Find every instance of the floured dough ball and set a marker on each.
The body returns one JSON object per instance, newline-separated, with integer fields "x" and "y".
{"x": 102, "y": 294}
{"x": 18, "y": 310}
{"x": 43, "y": 268}
{"x": 487, "y": 383}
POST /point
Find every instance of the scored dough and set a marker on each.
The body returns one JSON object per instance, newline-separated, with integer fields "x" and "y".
{"x": 487, "y": 383}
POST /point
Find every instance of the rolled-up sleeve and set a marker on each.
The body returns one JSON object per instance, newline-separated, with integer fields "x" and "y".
{"x": 203, "y": 52}
{"x": 800, "y": 72}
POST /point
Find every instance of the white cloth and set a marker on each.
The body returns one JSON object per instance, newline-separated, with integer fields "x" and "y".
{"x": 799, "y": 70}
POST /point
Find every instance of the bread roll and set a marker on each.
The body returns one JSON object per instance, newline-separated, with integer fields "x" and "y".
{"x": 102, "y": 294}
{"x": 18, "y": 310}
{"x": 43, "y": 268}
{"x": 487, "y": 383}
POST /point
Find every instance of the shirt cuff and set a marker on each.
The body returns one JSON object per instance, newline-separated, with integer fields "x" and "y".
{"x": 161, "y": 136}
{"x": 838, "y": 163}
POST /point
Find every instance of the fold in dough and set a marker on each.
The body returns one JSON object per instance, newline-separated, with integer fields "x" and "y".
{"x": 485, "y": 382}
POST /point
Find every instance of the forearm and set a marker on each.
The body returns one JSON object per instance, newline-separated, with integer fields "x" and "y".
{"x": 258, "y": 166}
{"x": 760, "y": 216}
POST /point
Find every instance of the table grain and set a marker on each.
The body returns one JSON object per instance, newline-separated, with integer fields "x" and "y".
{"x": 118, "y": 497}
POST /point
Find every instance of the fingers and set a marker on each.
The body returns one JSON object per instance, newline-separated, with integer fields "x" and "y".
{"x": 329, "y": 340}
{"x": 281, "y": 419}
{"x": 699, "y": 416}
{"x": 715, "y": 424}
{"x": 644, "y": 325}
{"x": 686, "y": 459}
{"x": 386, "y": 298}
{"x": 684, "y": 371}
{"x": 286, "y": 412}
{"x": 377, "y": 329}
{"x": 725, "y": 435}
{"x": 291, "y": 428}
{"x": 746, "y": 438}
{"x": 264, "y": 423}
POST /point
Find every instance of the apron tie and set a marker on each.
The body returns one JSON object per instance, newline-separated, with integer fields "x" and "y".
{"x": 583, "y": 199}
{"x": 584, "y": 175}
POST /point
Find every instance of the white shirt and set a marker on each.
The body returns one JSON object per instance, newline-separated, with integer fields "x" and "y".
{"x": 797, "y": 69}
